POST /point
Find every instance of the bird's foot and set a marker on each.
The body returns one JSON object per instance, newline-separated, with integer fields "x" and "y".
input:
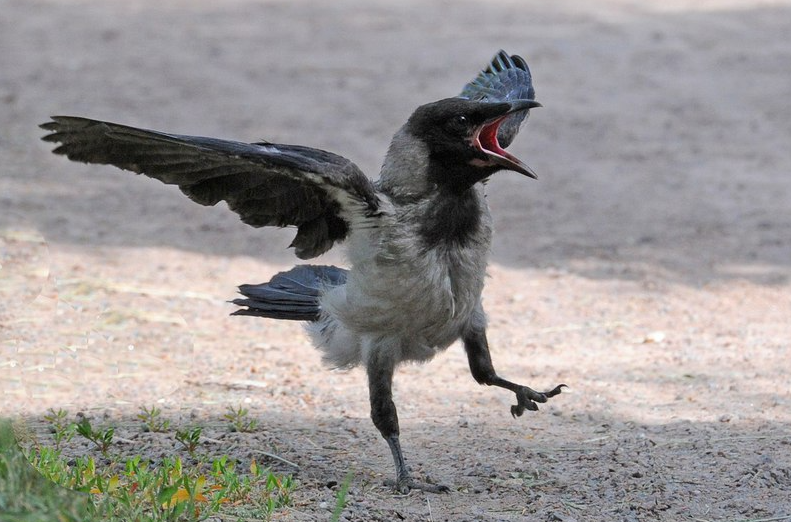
{"x": 526, "y": 399}
{"x": 405, "y": 484}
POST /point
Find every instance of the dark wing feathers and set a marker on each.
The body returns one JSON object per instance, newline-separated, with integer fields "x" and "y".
{"x": 265, "y": 183}
{"x": 507, "y": 77}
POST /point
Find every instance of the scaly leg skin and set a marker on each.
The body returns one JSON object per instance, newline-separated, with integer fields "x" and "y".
{"x": 404, "y": 482}
{"x": 477, "y": 348}
{"x": 385, "y": 418}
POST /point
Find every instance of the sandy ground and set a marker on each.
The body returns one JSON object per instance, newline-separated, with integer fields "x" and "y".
{"x": 649, "y": 268}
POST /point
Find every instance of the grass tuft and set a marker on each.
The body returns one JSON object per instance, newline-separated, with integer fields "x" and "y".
{"x": 238, "y": 419}
{"x": 340, "y": 498}
{"x": 41, "y": 484}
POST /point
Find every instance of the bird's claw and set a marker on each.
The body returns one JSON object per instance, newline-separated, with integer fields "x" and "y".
{"x": 526, "y": 399}
{"x": 405, "y": 484}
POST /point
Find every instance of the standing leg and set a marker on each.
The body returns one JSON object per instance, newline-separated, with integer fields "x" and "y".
{"x": 385, "y": 418}
{"x": 482, "y": 369}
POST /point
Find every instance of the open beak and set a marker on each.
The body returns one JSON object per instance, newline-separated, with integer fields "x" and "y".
{"x": 485, "y": 139}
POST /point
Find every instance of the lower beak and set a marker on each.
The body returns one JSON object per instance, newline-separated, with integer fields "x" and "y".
{"x": 511, "y": 162}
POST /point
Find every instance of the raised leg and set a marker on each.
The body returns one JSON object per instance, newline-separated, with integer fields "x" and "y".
{"x": 385, "y": 418}
{"x": 477, "y": 348}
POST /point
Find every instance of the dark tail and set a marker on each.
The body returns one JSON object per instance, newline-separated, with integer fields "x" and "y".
{"x": 290, "y": 295}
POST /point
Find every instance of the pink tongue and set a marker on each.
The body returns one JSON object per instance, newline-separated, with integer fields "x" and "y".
{"x": 488, "y": 138}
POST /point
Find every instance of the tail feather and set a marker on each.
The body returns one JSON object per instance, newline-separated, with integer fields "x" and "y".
{"x": 290, "y": 295}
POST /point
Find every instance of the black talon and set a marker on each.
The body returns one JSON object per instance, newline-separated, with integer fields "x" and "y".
{"x": 404, "y": 486}
{"x": 555, "y": 391}
{"x": 527, "y": 398}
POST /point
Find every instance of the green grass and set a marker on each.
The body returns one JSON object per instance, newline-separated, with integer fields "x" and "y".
{"x": 26, "y": 496}
{"x": 152, "y": 419}
{"x": 41, "y": 484}
{"x": 189, "y": 438}
{"x": 238, "y": 419}
{"x": 102, "y": 438}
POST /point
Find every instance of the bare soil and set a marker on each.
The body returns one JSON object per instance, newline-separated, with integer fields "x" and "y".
{"x": 649, "y": 268}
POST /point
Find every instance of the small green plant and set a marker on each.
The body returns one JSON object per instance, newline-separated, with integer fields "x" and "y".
{"x": 101, "y": 438}
{"x": 235, "y": 487}
{"x": 189, "y": 438}
{"x": 152, "y": 421}
{"x": 282, "y": 486}
{"x": 62, "y": 430}
{"x": 340, "y": 498}
{"x": 239, "y": 421}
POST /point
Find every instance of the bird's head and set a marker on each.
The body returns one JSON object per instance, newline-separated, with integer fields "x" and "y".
{"x": 461, "y": 138}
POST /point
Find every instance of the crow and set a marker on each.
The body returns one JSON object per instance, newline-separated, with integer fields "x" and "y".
{"x": 418, "y": 238}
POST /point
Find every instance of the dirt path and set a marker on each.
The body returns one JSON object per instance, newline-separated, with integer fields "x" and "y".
{"x": 649, "y": 268}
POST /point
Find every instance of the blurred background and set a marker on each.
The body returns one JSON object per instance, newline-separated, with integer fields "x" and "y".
{"x": 663, "y": 139}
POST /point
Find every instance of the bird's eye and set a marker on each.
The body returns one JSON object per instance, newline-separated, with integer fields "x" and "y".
{"x": 461, "y": 119}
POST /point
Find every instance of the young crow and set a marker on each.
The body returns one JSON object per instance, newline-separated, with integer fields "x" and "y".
{"x": 418, "y": 238}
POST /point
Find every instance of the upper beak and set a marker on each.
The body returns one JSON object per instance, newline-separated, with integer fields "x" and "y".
{"x": 486, "y": 138}
{"x": 519, "y": 105}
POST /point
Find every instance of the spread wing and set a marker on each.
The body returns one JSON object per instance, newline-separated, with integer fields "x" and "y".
{"x": 320, "y": 193}
{"x": 507, "y": 77}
